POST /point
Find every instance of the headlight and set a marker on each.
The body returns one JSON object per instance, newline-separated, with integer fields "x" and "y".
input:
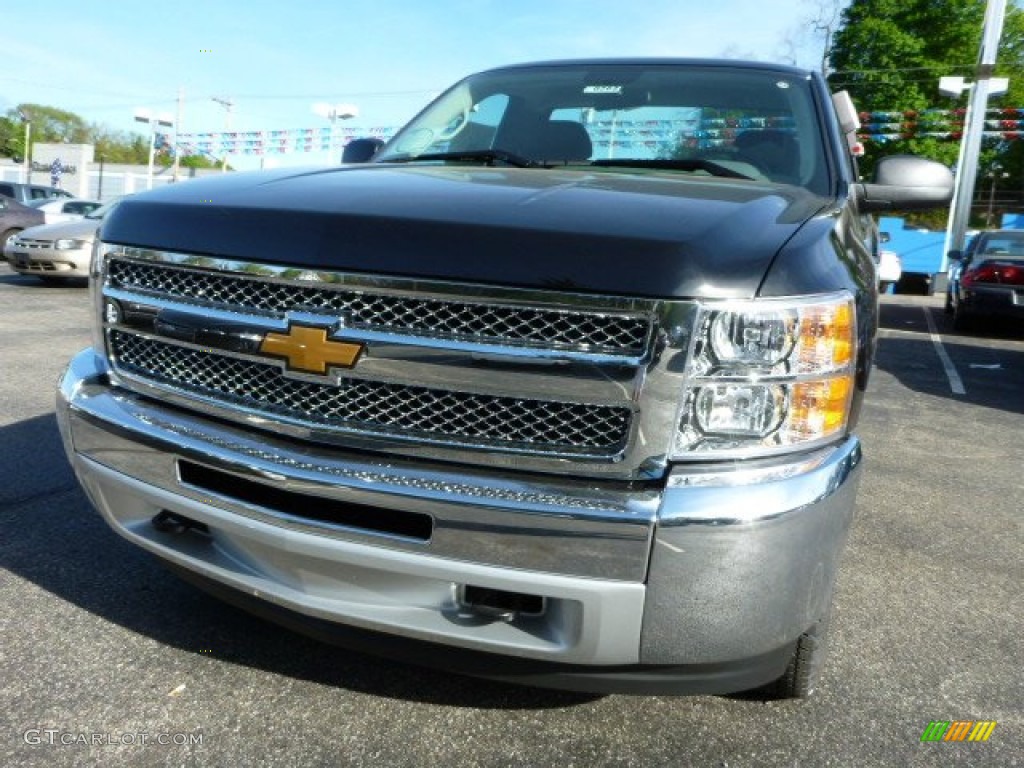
{"x": 68, "y": 245}
{"x": 97, "y": 267}
{"x": 768, "y": 376}
{"x": 753, "y": 338}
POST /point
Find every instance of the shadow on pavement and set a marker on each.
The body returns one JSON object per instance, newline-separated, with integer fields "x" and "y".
{"x": 31, "y": 281}
{"x": 990, "y": 361}
{"x": 53, "y": 538}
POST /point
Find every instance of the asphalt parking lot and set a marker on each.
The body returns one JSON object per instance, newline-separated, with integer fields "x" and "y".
{"x": 107, "y": 659}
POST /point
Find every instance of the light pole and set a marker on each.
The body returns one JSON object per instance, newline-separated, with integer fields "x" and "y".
{"x": 974, "y": 126}
{"x": 163, "y": 119}
{"x": 177, "y": 128}
{"x": 28, "y": 147}
{"x": 994, "y": 173}
{"x": 611, "y": 142}
{"x": 334, "y": 113}
{"x": 228, "y": 105}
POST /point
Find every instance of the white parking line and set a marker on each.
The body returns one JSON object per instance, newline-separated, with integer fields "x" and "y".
{"x": 955, "y": 382}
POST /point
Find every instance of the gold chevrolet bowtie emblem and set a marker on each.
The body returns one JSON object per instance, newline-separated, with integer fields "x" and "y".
{"x": 308, "y": 349}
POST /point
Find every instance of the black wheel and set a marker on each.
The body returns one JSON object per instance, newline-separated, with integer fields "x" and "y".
{"x": 800, "y": 679}
{"x": 7, "y": 233}
{"x": 962, "y": 321}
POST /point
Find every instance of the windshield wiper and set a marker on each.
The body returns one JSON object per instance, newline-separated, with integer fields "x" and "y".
{"x": 696, "y": 164}
{"x": 488, "y": 156}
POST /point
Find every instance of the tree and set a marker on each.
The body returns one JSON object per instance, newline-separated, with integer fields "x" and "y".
{"x": 811, "y": 39}
{"x": 12, "y": 136}
{"x": 890, "y": 54}
{"x": 118, "y": 146}
{"x": 53, "y": 125}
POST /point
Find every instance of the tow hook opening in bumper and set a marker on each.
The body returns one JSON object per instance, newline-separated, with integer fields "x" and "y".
{"x": 166, "y": 521}
{"x": 497, "y": 604}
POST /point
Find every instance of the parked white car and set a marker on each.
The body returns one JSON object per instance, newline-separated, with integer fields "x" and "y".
{"x": 890, "y": 269}
{"x": 65, "y": 209}
{"x": 56, "y": 251}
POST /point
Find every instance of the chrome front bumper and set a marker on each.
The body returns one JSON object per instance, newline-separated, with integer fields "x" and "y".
{"x": 48, "y": 261}
{"x": 715, "y": 566}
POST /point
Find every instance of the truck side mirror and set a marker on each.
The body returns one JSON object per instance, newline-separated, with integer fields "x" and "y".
{"x": 906, "y": 182}
{"x": 361, "y": 150}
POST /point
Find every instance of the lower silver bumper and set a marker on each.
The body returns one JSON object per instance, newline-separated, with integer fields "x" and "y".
{"x": 49, "y": 262}
{"x": 717, "y": 566}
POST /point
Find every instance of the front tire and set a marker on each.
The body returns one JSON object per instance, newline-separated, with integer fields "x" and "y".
{"x": 962, "y": 321}
{"x": 6, "y": 235}
{"x": 800, "y": 679}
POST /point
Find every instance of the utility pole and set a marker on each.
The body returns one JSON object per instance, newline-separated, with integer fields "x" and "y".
{"x": 228, "y": 105}
{"x": 28, "y": 146}
{"x": 177, "y": 130}
{"x": 334, "y": 113}
{"x": 147, "y": 117}
{"x": 974, "y": 126}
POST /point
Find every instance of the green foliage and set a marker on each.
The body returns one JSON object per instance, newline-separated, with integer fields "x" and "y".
{"x": 166, "y": 160}
{"x": 890, "y": 54}
{"x": 199, "y": 161}
{"x": 12, "y": 139}
{"x": 53, "y": 125}
{"x": 119, "y": 146}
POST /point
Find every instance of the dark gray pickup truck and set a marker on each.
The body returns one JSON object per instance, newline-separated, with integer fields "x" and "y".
{"x": 558, "y": 387}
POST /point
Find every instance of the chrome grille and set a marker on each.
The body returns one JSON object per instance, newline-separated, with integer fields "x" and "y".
{"x": 379, "y": 407}
{"x": 610, "y": 334}
{"x": 23, "y": 242}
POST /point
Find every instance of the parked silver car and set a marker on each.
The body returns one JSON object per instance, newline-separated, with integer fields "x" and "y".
{"x": 56, "y": 251}
{"x": 64, "y": 208}
{"x": 25, "y": 193}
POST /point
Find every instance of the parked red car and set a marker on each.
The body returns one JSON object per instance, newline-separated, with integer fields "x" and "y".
{"x": 15, "y": 217}
{"x": 987, "y": 280}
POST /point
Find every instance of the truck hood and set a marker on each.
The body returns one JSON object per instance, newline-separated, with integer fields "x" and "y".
{"x": 628, "y": 233}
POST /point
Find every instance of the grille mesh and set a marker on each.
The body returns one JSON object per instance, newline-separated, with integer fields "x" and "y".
{"x": 458, "y": 320}
{"x": 378, "y": 407}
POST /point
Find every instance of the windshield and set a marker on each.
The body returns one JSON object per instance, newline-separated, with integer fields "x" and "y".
{"x": 710, "y": 120}
{"x": 1003, "y": 245}
{"x": 103, "y": 210}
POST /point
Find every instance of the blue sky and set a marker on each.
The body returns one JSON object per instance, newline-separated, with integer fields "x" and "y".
{"x": 103, "y": 59}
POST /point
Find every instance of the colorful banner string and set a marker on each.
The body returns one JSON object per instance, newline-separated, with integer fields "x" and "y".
{"x": 699, "y": 133}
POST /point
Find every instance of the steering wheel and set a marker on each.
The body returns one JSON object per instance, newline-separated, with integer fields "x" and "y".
{"x": 454, "y": 127}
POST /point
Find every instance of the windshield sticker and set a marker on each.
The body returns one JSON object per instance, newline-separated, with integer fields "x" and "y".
{"x": 612, "y": 89}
